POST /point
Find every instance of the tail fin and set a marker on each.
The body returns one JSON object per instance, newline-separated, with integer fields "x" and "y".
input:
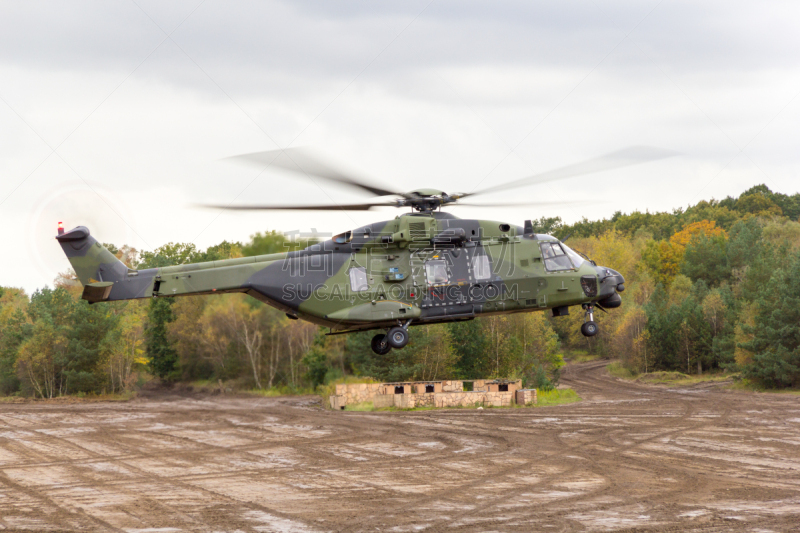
{"x": 96, "y": 267}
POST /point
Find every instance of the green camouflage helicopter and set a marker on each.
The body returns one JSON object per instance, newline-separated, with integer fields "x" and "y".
{"x": 425, "y": 266}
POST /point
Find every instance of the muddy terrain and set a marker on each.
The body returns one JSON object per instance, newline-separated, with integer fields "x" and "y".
{"x": 628, "y": 457}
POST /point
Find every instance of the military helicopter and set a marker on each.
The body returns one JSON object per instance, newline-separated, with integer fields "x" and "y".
{"x": 424, "y": 266}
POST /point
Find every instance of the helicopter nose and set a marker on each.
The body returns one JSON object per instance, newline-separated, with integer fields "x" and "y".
{"x": 611, "y": 281}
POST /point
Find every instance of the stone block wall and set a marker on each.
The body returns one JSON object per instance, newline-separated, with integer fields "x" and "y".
{"x": 452, "y": 386}
{"x": 354, "y": 393}
{"x": 470, "y": 398}
{"x": 384, "y": 400}
{"x": 526, "y": 396}
{"x": 482, "y": 386}
{"x": 449, "y": 393}
{"x": 421, "y": 388}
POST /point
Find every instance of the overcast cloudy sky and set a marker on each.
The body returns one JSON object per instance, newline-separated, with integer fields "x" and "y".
{"x": 116, "y": 115}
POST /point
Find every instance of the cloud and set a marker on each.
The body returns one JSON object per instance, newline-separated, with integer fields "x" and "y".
{"x": 447, "y": 94}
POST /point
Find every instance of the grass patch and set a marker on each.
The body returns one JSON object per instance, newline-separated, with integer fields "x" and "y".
{"x": 280, "y": 391}
{"x": 618, "y": 370}
{"x": 363, "y": 406}
{"x": 244, "y": 387}
{"x": 73, "y": 398}
{"x": 678, "y": 378}
{"x": 581, "y": 356}
{"x": 556, "y": 397}
{"x": 13, "y": 399}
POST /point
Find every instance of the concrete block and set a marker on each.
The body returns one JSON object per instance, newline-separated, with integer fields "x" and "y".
{"x": 525, "y": 396}
{"x": 383, "y": 400}
{"x": 337, "y": 402}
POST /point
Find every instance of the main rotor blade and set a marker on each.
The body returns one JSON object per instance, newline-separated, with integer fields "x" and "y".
{"x": 522, "y": 204}
{"x": 331, "y": 207}
{"x": 633, "y": 155}
{"x": 301, "y": 161}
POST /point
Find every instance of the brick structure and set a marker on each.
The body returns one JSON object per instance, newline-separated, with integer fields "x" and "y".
{"x": 526, "y": 396}
{"x": 445, "y": 393}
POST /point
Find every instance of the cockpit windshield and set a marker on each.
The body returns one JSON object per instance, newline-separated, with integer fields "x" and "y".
{"x": 558, "y": 256}
{"x": 577, "y": 260}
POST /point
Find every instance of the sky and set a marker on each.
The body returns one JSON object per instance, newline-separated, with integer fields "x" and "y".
{"x": 119, "y": 115}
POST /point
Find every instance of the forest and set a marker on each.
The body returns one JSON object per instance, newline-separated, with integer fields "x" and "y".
{"x": 712, "y": 288}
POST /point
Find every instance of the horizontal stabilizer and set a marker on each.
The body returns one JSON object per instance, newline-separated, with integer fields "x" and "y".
{"x": 97, "y": 292}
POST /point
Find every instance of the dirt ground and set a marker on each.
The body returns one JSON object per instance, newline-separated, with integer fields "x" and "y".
{"x": 628, "y": 457}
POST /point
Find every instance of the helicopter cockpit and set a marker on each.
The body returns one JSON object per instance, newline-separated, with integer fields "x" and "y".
{"x": 558, "y": 256}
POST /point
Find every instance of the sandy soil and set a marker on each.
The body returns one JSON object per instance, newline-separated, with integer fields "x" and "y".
{"x": 629, "y": 457}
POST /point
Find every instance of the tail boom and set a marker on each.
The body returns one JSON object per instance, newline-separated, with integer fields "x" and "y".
{"x": 106, "y": 278}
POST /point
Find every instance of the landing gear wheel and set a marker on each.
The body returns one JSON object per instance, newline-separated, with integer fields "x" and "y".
{"x": 398, "y": 337}
{"x": 380, "y": 344}
{"x": 589, "y": 329}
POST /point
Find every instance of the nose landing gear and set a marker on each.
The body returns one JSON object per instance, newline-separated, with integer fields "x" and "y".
{"x": 589, "y": 327}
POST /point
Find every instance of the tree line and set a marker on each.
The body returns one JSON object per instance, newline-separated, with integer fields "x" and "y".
{"x": 714, "y": 287}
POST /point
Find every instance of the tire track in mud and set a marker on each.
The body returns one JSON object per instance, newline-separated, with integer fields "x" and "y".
{"x": 64, "y": 514}
{"x": 549, "y": 482}
{"x": 79, "y": 473}
{"x": 143, "y": 477}
{"x": 683, "y": 424}
{"x": 627, "y": 451}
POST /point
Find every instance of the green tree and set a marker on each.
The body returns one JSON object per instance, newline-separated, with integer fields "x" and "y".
{"x": 433, "y": 352}
{"x": 273, "y": 242}
{"x": 540, "y": 360}
{"x": 14, "y": 329}
{"x": 472, "y": 349}
{"x": 316, "y": 363}
{"x": 758, "y": 201}
{"x": 91, "y": 333}
{"x": 548, "y": 225}
{"x": 776, "y": 334}
{"x": 705, "y": 258}
{"x": 163, "y": 357}
{"x": 159, "y": 349}
{"x": 397, "y": 365}
{"x": 744, "y": 243}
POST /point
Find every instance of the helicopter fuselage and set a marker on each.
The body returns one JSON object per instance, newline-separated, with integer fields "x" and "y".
{"x": 418, "y": 268}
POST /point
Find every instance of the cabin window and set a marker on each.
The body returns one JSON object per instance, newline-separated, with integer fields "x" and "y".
{"x": 399, "y": 389}
{"x": 428, "y": 388}
{"x": 554, "y": 257}
{"x": 436, "y": 272}
{"x": 502, "y": 387}
{"x": 358, "y": 279}
{"x": 481, "y": 268}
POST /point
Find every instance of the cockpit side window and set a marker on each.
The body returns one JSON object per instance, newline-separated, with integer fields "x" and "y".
{"x": 436, "y": 272}
{"x": 555, "y": 258}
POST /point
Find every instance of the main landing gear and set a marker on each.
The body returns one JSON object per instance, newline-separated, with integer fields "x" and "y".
{"x": 589, "y": 327}
{"x": 396, "y": 337}
{"x": 380, "y": 345}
